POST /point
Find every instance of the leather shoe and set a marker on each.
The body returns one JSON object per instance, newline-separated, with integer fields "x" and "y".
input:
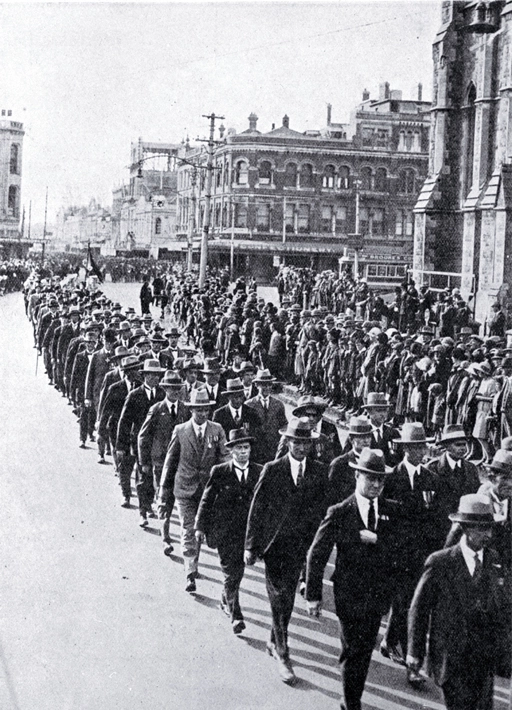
{"x": 168, "y": 548}
{"x": 191, "y": 583}
{"x": 125, "y": 503}
{"x": 101, "y": 460}
{"x": 143, "y": 521}
{"x": 82, "y": 445}
{"x": 151, "y": 513}
{"x": 415, "y": 679}
{"x": 238, "y": 626}
{"x": 224, "y": 607}
{"x": 285, "y": 670}
{"x": 393, "y": 653}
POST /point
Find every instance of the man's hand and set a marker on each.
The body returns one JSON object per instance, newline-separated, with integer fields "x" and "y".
{"x": 87, "y": 402}
{"x": 413, "y": 662}
{"x": 315, "y": 609}
{"x": 146, "y": 469}
{"x": 120, "y": 455}
{"x": 249, "y": 558}
{"x": 200, "y": 536}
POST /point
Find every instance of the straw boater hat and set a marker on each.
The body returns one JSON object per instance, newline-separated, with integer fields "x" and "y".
{"x": 299, "y": 428}
{"x": 307, "y": 403}
{"x": 371, "y": 461}
{"x": 199, "y": 398}
{"x": 152, "y": 367}
{"x": 238, "y": 436}
{"x": 474, "y": 509}
{"x": 501, "y": 463}
{"x": 172, "y": 380}
{"x": 360, "y": 426}
{"x": 452, "y": 432}
{"x": 376, "y": 400}
{"x": 413, "y": 433}
{"x": 264, "y": 377}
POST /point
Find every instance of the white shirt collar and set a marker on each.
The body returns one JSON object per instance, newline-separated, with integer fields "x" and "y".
{"x": 469, "y": 555}
{"x": 451, "y": 461}
{"x": 241, "y": 471}
{"x": 235, "y": 412}
{"x": 198, "y": 428}
{"x": 363, "y": 505}
{"x": 294, "y": 464}
{"x": 411, "y": 470}
{"x": 170, "y": 405}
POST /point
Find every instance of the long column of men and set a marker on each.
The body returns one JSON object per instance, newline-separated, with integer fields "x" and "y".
{"x": 415, "y": 495}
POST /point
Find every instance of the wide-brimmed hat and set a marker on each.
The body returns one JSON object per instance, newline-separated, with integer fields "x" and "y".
{"x": 157, "y": 338}
{"x": 238, "y": 436}
{"x": 247, "y": 366}
{"x": 376, "y": 400}
{"x": 502, "y": 462}
{"x": 172, "y": 380}
{"x": 371, "y": 461}
{"x": 451, "y": 433}
{"x": 299, "y": 428}
{"x": 413, "y": 433}
{"x": 188, "y": 363}
{"x": 307, "y": 403}
{"x": 152, "y": 367}
{"x": 360, "y": 426}
{"x": 484, "y": 368}
{"x": 264, "y": 377}
{"x": 124, "y": 325}
{"x": 474, "y": 509}
{"x": 234, "y": 386}
{"x": 211, "y": 365}
{"x": 173, "y": 332}
{"x": 120, "y": 352}
{"x": 131, "y": 362}
{"x": 199, "y": 398}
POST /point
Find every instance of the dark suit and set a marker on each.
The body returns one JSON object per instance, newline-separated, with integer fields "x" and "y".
{"x": 324, "y": 449}
{"x": 452, "y": 485}
{"x": 249, "y": 420}
{"x": 363, "y": 584}
{"x": 464, "y": 617}
{"x": 135, "y": 409}
{"x": 282, "y": 523}
{"x": 77, "y": 388}
{"x": 222, "y": 516}
{"x": 342, "y": 481}
{"x": 422, "y": 529}
{"x": 385, "y": 444}
{"x": 272, "y": 420}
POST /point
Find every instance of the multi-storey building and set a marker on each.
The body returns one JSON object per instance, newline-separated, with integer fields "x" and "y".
{"x": 11, "y": 148}
{"x": 299, "y": 196}
{"x": 464, "y": 212}
{"x": 78, "y": 227}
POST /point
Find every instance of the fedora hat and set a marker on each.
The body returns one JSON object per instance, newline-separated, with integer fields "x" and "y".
{"x": 412, "y": 433}
{"x": 371, "y": 461}
{"x": 173, "y": 333}
{"x": 299, "y": 428}
{"x": 171, "y": 379}
{"x": 234, "y": 386}
{"x": 307, "y": 402}
{"x": 157, "y": 338}
{"x": 247, "y": 366}
{"x": 124, "y": 325}
{"x": 376, "y": 400}
{"x": 360, "y": 426}
{"x": 238, "y": 436}
{"x": 484, "y": 368}
{"x": 502, "y": 462}
{"x": 264, "y": 376}
{"x": 474, "y": 509}
{"x": 199, "y": 398}
{"x": 120, "y": 352}
{"x": 211, "y": 364}
{"x": 152, "y": 367}
{"x": 131, "y": 362}
{"x": 452, "y": 432}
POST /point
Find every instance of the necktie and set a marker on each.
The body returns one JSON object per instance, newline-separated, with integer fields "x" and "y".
{"x": 200, "y": 438}
{"x": 237, "y": 418}
{"x": 243, "y": 479}
{"x": 371, "y": 516}
{"x": 300, "y": 475}
{"x": 415, "y": 479}
{"x": 477, "y": 574}
{"x": 173, "y": 410}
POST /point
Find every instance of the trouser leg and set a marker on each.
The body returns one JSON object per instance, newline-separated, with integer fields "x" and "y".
{"x": 125, "y": 468}
{"x": 358, "y": 637}
{"x": 282, "y": 574}
{"x": 144, "y": 485}
{"x": 396, "y": 631}
{"x": 190, "y": 548}
{"x": 231, "y": 559}
{"x": 83, "y": 422}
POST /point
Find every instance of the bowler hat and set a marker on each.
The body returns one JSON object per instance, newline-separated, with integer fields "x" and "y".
{"x": 238, "y": 436}
{"x": 452, "y": 432}
{"x": 376, "y": 400}
{"x": 299, "y": 428}
{"x": 502, "y": 462}
{"x": 307, "y": 403}
{"x": 199, "y": 398}
{"x": 371, "y": 461}
{"x": 171, "y": 379}
{"x": 234, "y": 386}
{"x": 264, "y": 376}
{"x": 474, "y": 509}
{"x": 152, "y": 367}
{"x": 412, "y": 433}
{"x": 360, "y": 426}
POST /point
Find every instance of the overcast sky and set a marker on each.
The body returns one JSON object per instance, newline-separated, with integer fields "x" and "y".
{"x": 87, "y": 79}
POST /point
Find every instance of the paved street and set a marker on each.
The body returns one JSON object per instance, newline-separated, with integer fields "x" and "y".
{"x": 93, "y": 616}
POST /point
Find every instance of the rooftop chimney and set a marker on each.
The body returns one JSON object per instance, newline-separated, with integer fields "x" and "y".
{"x": 420, "y": 91}
{"x": 384, "y": 91}
{"x": 286, "y": 121}
{"x": 273, "y": 126}
{"x": 329, "y": 112}
{"x": 366, "y": 95}
{"x": 253, "y": 120}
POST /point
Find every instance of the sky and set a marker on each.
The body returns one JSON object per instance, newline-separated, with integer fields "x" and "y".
{"x": 87, "y": 79}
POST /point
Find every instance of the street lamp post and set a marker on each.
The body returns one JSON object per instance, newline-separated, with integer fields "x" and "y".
{"x": 355, "y": 239}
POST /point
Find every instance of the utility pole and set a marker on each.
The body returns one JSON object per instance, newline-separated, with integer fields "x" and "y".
{"x": 29, "y": 218}
{"x": 191, "y": 221}
{"x": 208, "y": 198}
{"x": 44, "y": 227}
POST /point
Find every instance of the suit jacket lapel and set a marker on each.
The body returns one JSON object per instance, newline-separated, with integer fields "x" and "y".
{"x": 191, "y": 435}
{"x": 462, "y": 578}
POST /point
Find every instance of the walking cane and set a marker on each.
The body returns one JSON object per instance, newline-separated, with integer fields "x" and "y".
{"x": 37, "y": 361}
